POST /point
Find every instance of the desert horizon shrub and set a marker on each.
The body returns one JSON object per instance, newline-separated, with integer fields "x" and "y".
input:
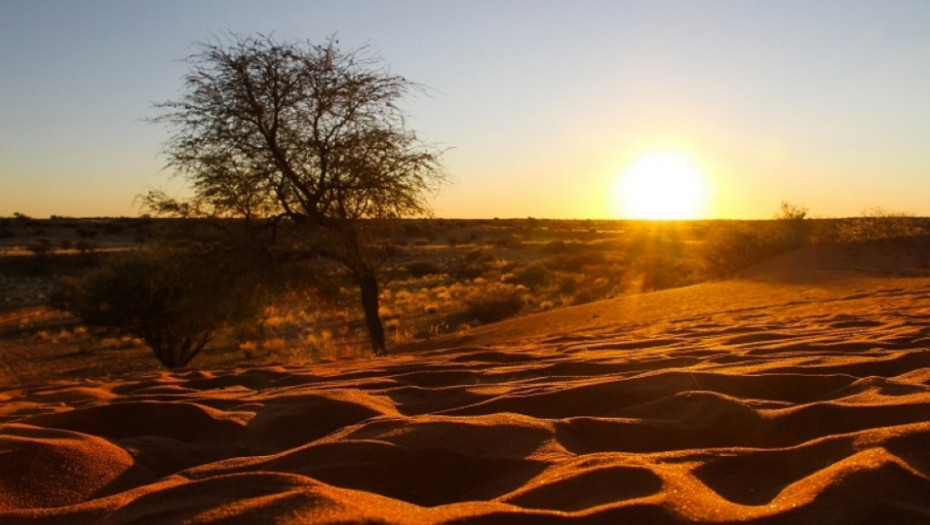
{"x": 494, "y": 303}
{"x": 879, "y": 223}
{"x": 474, "y": 263}
{"x": 660, "y": 273}
{"x": 594, "y": 290}
{"x": 567, "y": 284}
{"x": 554, "y": 247}
{"x": 739, "y": 246}
{"x": 732, "y": 247}
{"x": 534, "y": 275}
{"x": 113, "y": 228}
{"x": 40, "y": 247}
{"x": 173, "y": 300}
{"x": 575, "y": 262}
{"x": 793, "y": 226}
{"x": 422, "y": 268}
{"x": 508, "y": 241}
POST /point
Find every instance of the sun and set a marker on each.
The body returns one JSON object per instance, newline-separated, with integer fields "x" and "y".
{"x": 660, "y": 185}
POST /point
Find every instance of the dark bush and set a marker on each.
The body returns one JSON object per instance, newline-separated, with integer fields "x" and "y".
{"x": 420, "y": 269}
{"x": 175, "y": 301}
{"x": 793, "y": 226}
{"x": 568, "y": 285}
{"x": 577, "y": 262}
{"x": 113, "y": 228}
{"x": 86, "y": 233}
{"x": 554, "y": 247}
{"x": 471, "y": 270}
{"x": 40, "y": 247}
{"x": 508, "y": 241}
{"x": 496, "y": 303}
{"x": 658, "y": 273}
{"x": 473, "y": 264}
{"x": 534, "y": 275}
{"x": 740, "y": 246}
{"x": 588, "y": 295}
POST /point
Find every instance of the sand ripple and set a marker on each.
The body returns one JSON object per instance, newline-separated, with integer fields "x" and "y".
{"x": 812, "y": 406}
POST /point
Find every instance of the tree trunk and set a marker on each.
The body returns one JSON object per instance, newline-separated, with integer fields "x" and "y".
{"x": 368, "y": 284}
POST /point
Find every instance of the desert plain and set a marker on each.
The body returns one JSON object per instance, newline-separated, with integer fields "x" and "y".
{"x": 795, "y": 391}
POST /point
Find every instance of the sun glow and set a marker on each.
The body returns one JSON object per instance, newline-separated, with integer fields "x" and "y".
{"x": 660, "y": 185}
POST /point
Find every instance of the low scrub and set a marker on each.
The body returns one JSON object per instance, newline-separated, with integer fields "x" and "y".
{"x": 420, "y": 269}
{"x": 175, "y": 301}
{"x": 495, "y": 303}
{"x": 533, "y": 276}
{"x": 737, "y": 247}
{"x": 740, "y": 245}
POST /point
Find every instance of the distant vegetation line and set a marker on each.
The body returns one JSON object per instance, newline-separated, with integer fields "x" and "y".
{"x": 440, "y": 275}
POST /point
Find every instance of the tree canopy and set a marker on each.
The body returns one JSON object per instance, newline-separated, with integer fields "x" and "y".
{"x": 267, "y": 128}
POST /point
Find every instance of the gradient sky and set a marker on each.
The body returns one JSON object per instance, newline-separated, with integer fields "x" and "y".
{"x": 542, "y": 103}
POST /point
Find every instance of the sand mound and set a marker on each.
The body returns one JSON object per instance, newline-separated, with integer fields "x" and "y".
{"x": 757, "y": 400}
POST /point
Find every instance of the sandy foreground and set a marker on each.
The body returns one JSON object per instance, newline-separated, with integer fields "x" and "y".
{"x": 798, "y": 393}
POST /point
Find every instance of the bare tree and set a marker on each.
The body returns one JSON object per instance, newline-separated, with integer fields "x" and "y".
{"x": 303, "y": 134}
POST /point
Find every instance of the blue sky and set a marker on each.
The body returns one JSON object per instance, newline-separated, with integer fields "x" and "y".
{"x": 541, "y": 103}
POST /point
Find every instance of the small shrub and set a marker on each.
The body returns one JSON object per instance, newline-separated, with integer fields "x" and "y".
{"x": 794, "y": 229}
{"x": 420, "y": 269}
{"x": 478, "y": 255}
{"x": 113, "y": 228}
{"x": 576, "y": 262}
{"x": 737, "y": 247}
{"x": 509, "y": 241}
{"x": 554, "y": 247}
{"x": 174, "y": 301}
{"x": 534, "y": 275}
{"x": 658, "y": 273}
{"x": 595, "y": 290}
{"x": 568, "y": 285}
{"x": 495, "y": 303}
{"x": 878, "y": 223}
{"x": 411, "y": 228}
{"x": 40, "y": 247}
{"x": 86, "y": 233}
{"x": 474, "y": 264}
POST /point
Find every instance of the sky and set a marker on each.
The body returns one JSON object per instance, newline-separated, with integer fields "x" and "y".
{"x": 540, "y": 105}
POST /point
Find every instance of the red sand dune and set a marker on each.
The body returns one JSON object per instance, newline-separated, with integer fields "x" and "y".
{"x": 799, "y": 393}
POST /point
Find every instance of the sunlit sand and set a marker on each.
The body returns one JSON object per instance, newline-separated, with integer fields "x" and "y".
{"x": 796, "y": 393}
